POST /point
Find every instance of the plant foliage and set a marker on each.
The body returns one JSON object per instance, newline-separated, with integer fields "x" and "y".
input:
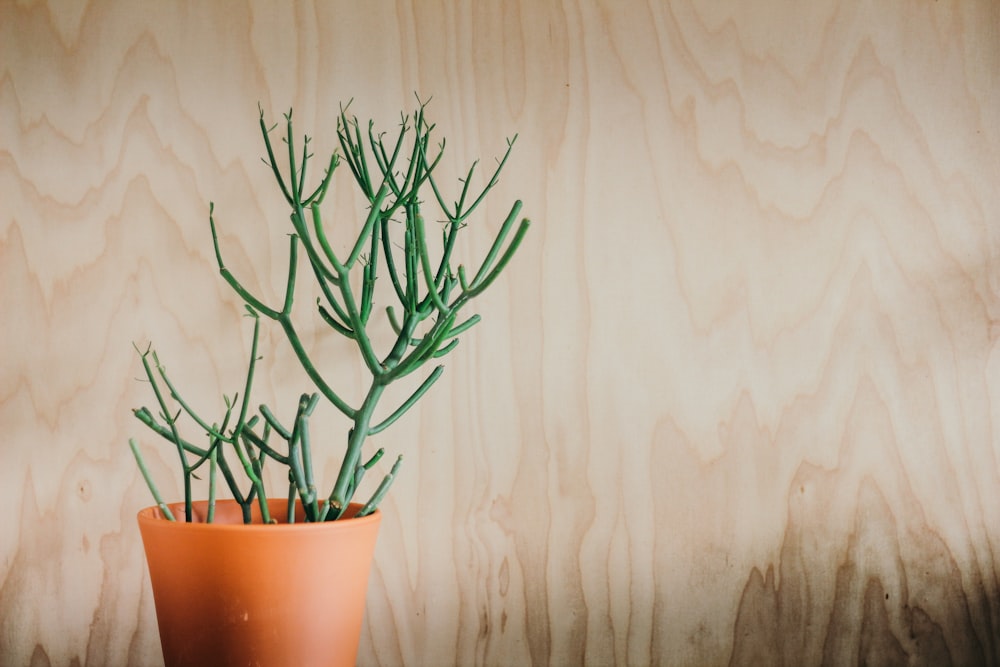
{"x": 429, "y": 297}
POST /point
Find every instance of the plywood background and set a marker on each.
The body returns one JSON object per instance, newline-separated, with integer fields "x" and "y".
{"x": 736, "y": 402}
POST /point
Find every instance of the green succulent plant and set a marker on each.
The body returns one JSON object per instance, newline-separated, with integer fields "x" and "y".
{"x": 429, "y": 296}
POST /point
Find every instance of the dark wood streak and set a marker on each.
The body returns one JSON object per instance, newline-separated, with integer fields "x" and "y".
{"x": 934, "y": 621}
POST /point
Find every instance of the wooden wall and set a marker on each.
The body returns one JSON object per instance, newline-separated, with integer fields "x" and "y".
{"x": 736, "y": 401}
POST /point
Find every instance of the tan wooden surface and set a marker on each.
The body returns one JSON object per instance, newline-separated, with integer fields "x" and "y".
{"x": 736, "y": 402}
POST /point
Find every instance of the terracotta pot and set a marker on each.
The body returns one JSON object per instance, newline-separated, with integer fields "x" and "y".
{"x": 233, "y": 594}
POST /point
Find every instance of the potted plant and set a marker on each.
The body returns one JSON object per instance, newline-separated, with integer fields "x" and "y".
{"x": 256, "y": 579}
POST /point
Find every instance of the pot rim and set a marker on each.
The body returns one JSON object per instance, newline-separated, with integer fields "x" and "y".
{"x": 152, "y": 515}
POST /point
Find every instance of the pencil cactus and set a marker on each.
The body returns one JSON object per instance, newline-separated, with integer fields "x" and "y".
{"x": 429, "y": 295}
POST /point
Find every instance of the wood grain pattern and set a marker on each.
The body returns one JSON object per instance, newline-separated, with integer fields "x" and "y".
{"x": 735, "y": 404}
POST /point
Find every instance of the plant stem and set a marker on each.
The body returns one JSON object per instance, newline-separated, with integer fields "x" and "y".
{"x": 342, "y": 490}
{"x": 149, "y": 480}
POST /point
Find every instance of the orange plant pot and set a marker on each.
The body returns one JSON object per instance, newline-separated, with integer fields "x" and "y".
{"x": 227, "y": 593}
